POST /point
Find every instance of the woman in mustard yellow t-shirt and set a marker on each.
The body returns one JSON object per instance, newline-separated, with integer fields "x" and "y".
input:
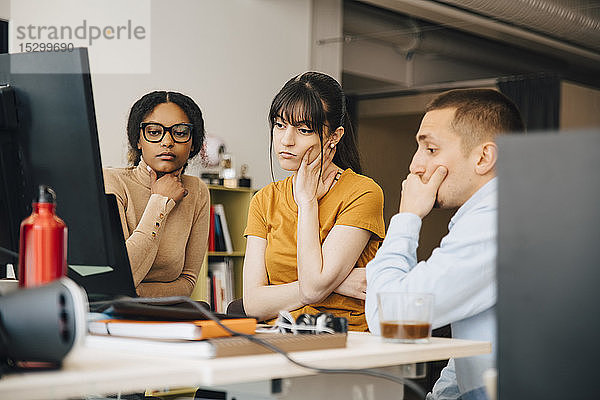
{"x": 311, "y": 235}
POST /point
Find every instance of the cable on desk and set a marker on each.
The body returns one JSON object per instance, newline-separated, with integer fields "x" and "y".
{"x": 9, "y": 252}
{"x": 361, "y": 371}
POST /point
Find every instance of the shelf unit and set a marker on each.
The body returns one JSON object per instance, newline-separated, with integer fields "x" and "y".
{"x": 236, "y": 202}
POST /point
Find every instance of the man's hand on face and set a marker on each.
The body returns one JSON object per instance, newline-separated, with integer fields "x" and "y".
{"x": 418, "y": 197}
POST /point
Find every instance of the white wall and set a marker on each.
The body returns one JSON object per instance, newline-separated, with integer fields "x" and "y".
{"x": 327, "y": 23}
{"x": 4, "y": 9}
{"x": 230, "y": 56}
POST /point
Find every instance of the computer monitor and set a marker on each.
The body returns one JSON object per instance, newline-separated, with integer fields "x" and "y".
{"x": 11, "y": 181}
{"x": 56, "y": 141}
{"x": 548, "y": 266}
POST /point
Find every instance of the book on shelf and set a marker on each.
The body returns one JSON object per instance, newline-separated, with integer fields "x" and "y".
{"x": 219, "y": 347}
{"x": 219, "y": 236}
{"x": 170, "y": 330}
{"x": 219, "y": 239}
{"x": 215, "y": 292}
{"x": 211, "y": 230}
{"x": 220, "y": 212}
{"x": 220, "y": 271}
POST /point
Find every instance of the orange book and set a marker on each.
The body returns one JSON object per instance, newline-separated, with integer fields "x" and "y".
{"x": 170, "y": 330}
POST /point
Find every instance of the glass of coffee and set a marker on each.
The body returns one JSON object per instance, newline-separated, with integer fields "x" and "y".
{"x": 405, "y": 317}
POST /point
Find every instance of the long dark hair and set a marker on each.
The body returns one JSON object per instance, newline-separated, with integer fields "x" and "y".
{"x": 318, "y": 101}
{"x": 144, "y": 106}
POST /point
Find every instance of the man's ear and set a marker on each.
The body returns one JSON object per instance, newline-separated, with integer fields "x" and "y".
{"x": 336, "y": 136}
{"x": 139, "y": 146}
{"x": 488, "y": 155}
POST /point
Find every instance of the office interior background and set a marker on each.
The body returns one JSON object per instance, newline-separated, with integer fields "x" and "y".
{"x": 391, "y": 56}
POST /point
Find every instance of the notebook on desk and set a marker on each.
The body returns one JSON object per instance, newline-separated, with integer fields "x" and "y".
{"x": 219, "y": 347}
{"x": 170, "y": 330}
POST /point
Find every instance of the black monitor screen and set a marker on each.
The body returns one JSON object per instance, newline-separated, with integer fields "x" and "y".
{"x": 548, "y": 268}
{"x": 58, "y": 140}
{"x": 11, "y": 182}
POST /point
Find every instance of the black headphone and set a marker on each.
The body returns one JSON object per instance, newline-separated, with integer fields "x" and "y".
{"x": 311, "y": 324}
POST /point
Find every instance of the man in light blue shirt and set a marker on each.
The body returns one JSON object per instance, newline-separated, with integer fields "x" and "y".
{"x": 453, "y": 167}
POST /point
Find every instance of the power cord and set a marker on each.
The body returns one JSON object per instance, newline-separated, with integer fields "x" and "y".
{"x": 9, "y": 252}
{"x": 361, "y": 371}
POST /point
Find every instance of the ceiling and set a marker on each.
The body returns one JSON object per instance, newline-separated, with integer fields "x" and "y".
{"x": 568, "y": 26}
{"x": 502, "y": 36}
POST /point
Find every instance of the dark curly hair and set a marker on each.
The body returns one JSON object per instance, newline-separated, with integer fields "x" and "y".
{"x": 144, "y": 106}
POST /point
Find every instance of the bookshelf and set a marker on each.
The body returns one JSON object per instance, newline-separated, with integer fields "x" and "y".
{"x": 236, "y": 202}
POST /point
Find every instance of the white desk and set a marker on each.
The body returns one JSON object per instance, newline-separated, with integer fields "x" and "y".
{"x": 90, "y": 371}
{"x": 8, "y": 286}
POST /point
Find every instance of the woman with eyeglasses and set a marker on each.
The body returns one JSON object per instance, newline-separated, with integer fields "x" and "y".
{"x": 164, "y": 214}
{"x": 310, "y": 235}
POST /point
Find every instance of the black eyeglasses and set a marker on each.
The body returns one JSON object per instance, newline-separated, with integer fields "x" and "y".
{"x": 155, "y": 132}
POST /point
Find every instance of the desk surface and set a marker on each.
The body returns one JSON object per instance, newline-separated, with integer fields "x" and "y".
{"x": 91, "y": 371}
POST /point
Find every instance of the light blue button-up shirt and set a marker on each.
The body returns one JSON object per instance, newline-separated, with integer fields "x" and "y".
{"x": 461, "y": 273}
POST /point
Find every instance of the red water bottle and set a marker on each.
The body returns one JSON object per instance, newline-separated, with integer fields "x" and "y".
{"x": 43, "y": 243}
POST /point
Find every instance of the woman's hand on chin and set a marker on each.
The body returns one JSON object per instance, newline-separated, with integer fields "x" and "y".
{"x": 168, "y": 185}
{"x": 310, "y": 183}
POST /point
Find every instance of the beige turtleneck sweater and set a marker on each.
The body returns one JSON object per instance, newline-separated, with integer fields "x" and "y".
{"x": 166, "y": 241}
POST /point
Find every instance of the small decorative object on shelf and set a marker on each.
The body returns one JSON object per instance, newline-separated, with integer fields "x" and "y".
{"x": 228, "y": 171}
{"x": 244, "y": 181}
{"x": 211, "y": 178}
{"x": 230, "y": 183}
{"x": 215, "y": 147}
{"x": 208, "y": 167}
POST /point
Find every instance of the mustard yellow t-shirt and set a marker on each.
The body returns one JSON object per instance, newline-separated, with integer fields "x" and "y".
{"x": 355, "y": 200}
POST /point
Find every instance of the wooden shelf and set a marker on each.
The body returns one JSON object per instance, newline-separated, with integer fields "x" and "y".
{"x": 228, "y": 189}
{"x": 174, "y": 394}
{"x": 236, "y": 202}
{"x": 226, "y": 254}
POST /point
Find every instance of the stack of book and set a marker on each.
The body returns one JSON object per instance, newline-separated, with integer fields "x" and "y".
{"x": 175, "y": 328}
{"x": 169, "y": 330}
{"x": 147, "y": 324}
{"x": 218, "y": 347}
